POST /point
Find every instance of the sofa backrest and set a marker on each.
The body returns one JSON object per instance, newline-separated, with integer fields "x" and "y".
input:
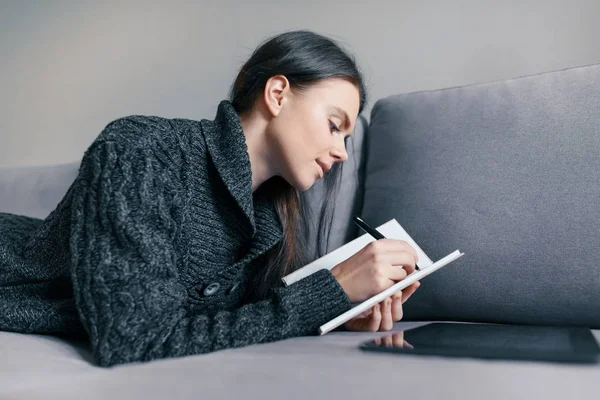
{"x": 35, "y": 191}
{"x": 508, "y": 172}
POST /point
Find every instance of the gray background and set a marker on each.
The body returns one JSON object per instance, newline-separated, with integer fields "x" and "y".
{"x": 70, "y": 67}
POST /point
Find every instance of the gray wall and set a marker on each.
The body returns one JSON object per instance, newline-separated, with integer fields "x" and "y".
{"x": 70, "y": 67}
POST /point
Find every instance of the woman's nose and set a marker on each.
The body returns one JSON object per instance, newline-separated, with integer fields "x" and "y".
{"x": 340, "y": 154}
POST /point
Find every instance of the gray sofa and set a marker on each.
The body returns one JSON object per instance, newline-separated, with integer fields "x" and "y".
{"x": 508, "y": 172}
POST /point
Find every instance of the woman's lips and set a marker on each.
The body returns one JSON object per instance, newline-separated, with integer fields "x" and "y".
{"x": 321, "y": 172}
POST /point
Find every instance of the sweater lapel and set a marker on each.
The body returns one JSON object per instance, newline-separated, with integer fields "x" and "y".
{"x": 226, "y": 143}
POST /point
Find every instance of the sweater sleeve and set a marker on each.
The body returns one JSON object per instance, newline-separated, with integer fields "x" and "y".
{"x": 125, "y": 281}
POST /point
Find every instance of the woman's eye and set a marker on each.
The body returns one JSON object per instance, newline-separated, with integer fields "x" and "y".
{"x": 333, "y": 127}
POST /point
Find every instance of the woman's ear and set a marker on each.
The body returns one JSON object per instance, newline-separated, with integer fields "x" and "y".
{"x": 276, "y": 91}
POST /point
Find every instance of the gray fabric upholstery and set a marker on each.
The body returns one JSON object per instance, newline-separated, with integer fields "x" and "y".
{"x": 349, "y": 198}
{"x": 507, "y": 172}
{"x": 35, "y": 191}
{"x": 331, "y": 366}
{"x": 317, "y": 367}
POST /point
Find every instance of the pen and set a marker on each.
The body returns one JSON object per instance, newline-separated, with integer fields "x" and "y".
{"x": 372, "y": 231}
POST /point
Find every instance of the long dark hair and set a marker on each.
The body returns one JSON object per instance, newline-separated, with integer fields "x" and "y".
{"x": 304, "y": 58}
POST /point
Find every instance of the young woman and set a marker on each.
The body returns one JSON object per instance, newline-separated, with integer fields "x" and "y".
{"x": 174, "y": 236}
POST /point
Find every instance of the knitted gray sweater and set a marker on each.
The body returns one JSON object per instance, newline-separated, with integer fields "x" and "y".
{"x": 149, "y": 252}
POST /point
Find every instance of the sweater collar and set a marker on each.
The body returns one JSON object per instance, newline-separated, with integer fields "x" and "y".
{"x": 226, "y": 143}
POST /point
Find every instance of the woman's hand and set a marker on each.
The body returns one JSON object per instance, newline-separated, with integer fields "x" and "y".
{"x": 374, "y": 268}
{"x": 383, "y": 315}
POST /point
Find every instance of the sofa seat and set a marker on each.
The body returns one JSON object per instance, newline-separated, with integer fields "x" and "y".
{"x": 308, "y": 367}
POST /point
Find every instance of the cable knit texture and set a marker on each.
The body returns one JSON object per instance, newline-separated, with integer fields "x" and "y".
{"x": 149, "y": 252}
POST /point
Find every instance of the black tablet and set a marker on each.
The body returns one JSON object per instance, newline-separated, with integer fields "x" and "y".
{"x": 515, "y": 342}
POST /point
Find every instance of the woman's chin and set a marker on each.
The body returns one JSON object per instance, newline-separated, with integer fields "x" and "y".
{"x": 306, "y": 184}
{"x": 303, "y": 183}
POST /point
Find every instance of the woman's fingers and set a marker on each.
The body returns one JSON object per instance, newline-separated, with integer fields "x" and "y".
{"x": 375, "y": 319}
{"x": 366, "y": 321}
{"x": 365, "y": 313}
{"x": 399, "y": 250}
{"x": 396, "y": 273}
{"x": 386, "y": 315}
{"x": 399, "y": 298}
{"x": 381, "y": 316}
{"x": 397, "y": 311}
{"x": 408, "y": 291}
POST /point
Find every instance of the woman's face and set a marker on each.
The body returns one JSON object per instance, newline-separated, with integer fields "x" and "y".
{"x": 310, "y": 128}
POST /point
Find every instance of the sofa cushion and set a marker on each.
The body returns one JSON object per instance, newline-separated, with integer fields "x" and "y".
{"x": 35, "y": 191}
{"x": 300, "y": 368}
{"x": 349, "y": 198}
{"x": 509, "y": 173}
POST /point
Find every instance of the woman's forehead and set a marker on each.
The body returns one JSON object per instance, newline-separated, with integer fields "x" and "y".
{"x": 338, "y": 94}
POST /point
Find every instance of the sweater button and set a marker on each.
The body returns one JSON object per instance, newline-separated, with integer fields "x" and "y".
{"x": 212, "y": 289}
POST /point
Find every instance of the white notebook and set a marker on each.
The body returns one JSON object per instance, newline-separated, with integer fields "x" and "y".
{"x": 391, "y": 230}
